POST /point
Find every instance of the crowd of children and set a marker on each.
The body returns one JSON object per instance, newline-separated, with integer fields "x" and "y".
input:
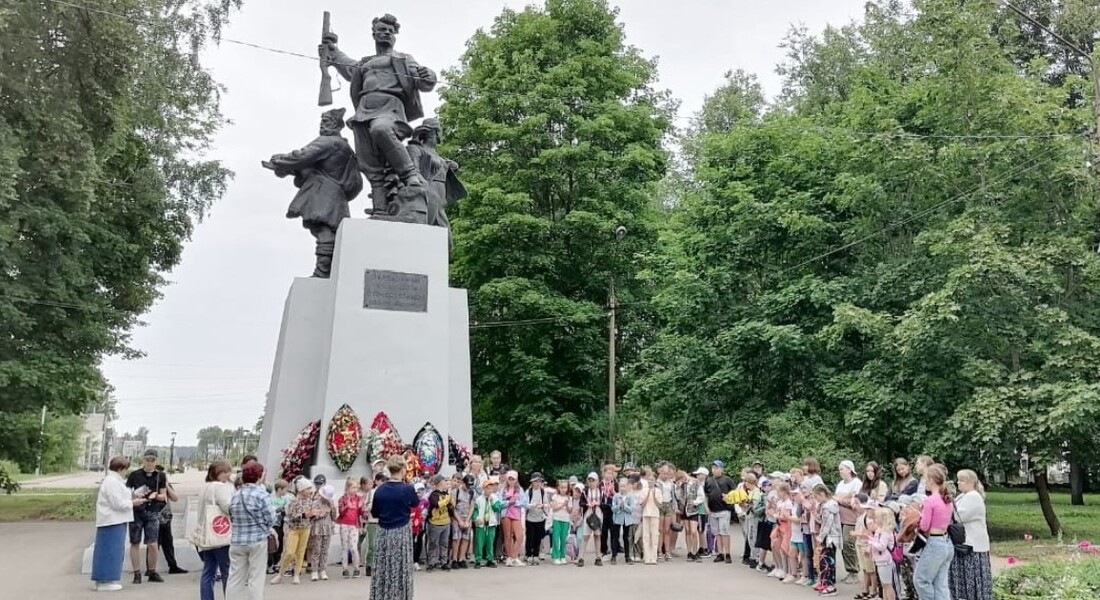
{"x": 793, "y": 525}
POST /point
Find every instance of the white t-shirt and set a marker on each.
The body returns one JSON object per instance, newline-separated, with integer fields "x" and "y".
{"x": 810, "y": 482}
{"x": 849, "y": 487}
{"x": 562, "y": 514}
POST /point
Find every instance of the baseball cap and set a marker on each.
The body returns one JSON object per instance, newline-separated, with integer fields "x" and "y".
{"x": 536, "y": 476}
{"x": 150, "y": 453}
{"x": 320, "y": 480}
{"x": 851, "y": 466}
{"x": 593, "y": 475}
{"x": 700, "y": 471}
{"x": 718, "y": 463}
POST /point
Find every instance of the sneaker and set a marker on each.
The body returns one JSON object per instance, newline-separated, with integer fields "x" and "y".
{"x": 297, "y": 580}
{"x": 598, "y": 563}
{"x": 829, "y": 591}
{"x": 491, "y": 564}
{"x": 753, "y": 564}
{"x": 177, "y": 571}
{"x": 345, "y": 573}
{"x": 762, "y": 568}
{"x": 580, "y": 562}
{"x": 324, "y": 575}
{"x": 316, "y": 577}
{"x": 788, "y": 579}
{"x": 691, "y": 557}
{"x": 519, "y": 563}
{"x": 356, "y": 574}
{"x": 719, "y": 558}
{"x": 154, "y": 577}
{"x": 746, "y": 560}
{"x": 137, "y": 577}
{"x": 276, "y": 579}
{"x": 777, "y": 573}
{"x": 416, "y": 566}
{"x": 430, "y": 569}
{"x": 729, "y": 559}
{"x": 462, "y": 565}
{"x": 801, "y": 581}
{"x": 851, "y": 579}
{"x": 107, "y": 586}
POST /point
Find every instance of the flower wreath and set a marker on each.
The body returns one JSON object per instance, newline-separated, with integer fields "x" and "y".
{"x": 345, "y": 436}
{"x": 457, "y": 454}
{"x": 383, "y": 441}
{"x": 299, "y": 453}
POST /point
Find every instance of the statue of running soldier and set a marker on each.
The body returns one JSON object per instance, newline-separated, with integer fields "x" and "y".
{"x": 385, "y": 90}
{"x": 327, "y": 177}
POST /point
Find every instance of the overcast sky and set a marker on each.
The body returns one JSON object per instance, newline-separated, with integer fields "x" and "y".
{"x": 210, "y": 342}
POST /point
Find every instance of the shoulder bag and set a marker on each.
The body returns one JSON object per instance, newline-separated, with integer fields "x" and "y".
{"x": 957, "y": 532}
{"x": 214, "y": 529}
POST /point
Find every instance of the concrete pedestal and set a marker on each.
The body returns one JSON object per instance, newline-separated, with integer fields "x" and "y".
{"x": 384, "y": 333}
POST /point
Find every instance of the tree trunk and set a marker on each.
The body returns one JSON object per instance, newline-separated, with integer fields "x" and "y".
{"x": 1043, "y": 488}
{"x": 1078, "y": 481}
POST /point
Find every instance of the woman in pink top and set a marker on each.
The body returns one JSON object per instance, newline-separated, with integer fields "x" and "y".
{"x": 347, "y": 526}
{"x": 931, "y": 575}
{"x": 511, "y": 521}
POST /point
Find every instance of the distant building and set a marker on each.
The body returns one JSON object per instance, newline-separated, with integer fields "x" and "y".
{"x": 132, "y": 449}
{"x": 93, "y": 442}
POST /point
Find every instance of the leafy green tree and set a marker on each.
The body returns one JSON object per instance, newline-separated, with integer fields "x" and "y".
{"x": 559, "y": 133}
{"x": 904, "y": 242}
{"x": 106, "y": 112}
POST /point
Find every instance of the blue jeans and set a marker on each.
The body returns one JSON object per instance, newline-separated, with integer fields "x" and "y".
{"x": 931, "y": 575}
{"x": 213, "y": 559}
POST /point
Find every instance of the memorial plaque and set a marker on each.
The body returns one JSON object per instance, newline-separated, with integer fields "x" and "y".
{"x": 392, "y": 290}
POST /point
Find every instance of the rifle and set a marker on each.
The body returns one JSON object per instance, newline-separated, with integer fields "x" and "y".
{"x": 324, "y": 95}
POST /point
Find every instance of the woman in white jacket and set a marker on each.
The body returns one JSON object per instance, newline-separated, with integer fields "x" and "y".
{"x": 114, "y": 509}
{"x": 970, "y": 575}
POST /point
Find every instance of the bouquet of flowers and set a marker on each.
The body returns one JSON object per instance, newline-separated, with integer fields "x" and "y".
{"x": 345, "y": 436}
{"x": 428, "y": 446}
{"x": 383, "y": 441}
{"x": 412, "y": 465}
{"x": 299, "y": 453}
{"x": 457, "y": 454}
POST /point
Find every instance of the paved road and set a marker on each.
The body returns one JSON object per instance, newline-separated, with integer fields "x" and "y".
{"x": 45, "y": 557}
{"x": 189, "y": 482}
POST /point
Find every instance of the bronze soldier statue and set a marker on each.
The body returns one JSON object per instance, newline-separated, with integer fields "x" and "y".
{"x": 327, "y": 177}
{"x": 385, "y": 89}
{"x": 440, "y": 173}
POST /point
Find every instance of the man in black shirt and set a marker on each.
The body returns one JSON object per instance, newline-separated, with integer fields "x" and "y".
{"x": 152, "y": 485}
{"x": 718, "y": 512}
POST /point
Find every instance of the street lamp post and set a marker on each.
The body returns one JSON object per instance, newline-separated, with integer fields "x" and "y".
{"x": 172, "y": 453}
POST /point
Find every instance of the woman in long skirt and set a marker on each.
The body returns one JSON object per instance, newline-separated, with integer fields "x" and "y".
{"x": 391, "y": 573}
{"x": 114, "y": 510}
{"x": 971, "y": 577}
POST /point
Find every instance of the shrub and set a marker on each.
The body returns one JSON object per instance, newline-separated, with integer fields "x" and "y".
{"x": 1074, "y": 579}
{"x": 8, "y": 471}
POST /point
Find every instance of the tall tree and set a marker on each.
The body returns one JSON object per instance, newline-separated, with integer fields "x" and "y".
{"x": 906, "y": 243}
{"x": 106, "y": 111}
{"x": 558, "y": 132}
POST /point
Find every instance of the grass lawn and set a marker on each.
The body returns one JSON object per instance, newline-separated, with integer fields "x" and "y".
{"x": 1014, "y": 513}
{"x": 48, "y": 504}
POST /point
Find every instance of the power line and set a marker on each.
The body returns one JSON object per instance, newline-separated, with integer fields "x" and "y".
{"x": 1034, "y": 162}
{"x": 505, "y": 93}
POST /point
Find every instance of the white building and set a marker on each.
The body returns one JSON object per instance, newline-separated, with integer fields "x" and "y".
{"x": 93, "y": 441}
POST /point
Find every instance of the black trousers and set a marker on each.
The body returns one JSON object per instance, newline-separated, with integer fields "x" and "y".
{"x": 533, "y": 540}
{"x": 610, "y": 534}
{"x": 167, "y": 545}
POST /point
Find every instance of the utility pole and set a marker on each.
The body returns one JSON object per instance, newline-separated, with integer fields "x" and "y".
{"x": 612, "y": 337}
{"x": 1077, "y": 50}
{"x": 41, "y": 442}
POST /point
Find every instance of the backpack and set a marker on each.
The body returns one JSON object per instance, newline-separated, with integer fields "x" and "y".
{"x": 897, "y": 552}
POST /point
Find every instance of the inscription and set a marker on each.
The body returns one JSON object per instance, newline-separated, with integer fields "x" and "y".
{"x": 392, "y": 290}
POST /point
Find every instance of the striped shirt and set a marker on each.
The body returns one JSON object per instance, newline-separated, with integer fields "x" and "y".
{"x": 252, "y": 515}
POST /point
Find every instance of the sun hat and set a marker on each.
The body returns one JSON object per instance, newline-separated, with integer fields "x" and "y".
{"x": 327, "y": 492}
{"x": 492, "y": 480}
{"x": 700, "y": 471}
{"x": 578, "y": 486}
{"x": 777, "y": 475}
{"x": 302, "y": 485}
{"x": 593, "y": 475}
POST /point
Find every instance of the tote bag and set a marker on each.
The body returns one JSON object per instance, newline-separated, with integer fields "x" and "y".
{"x": 214, "y": 529}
